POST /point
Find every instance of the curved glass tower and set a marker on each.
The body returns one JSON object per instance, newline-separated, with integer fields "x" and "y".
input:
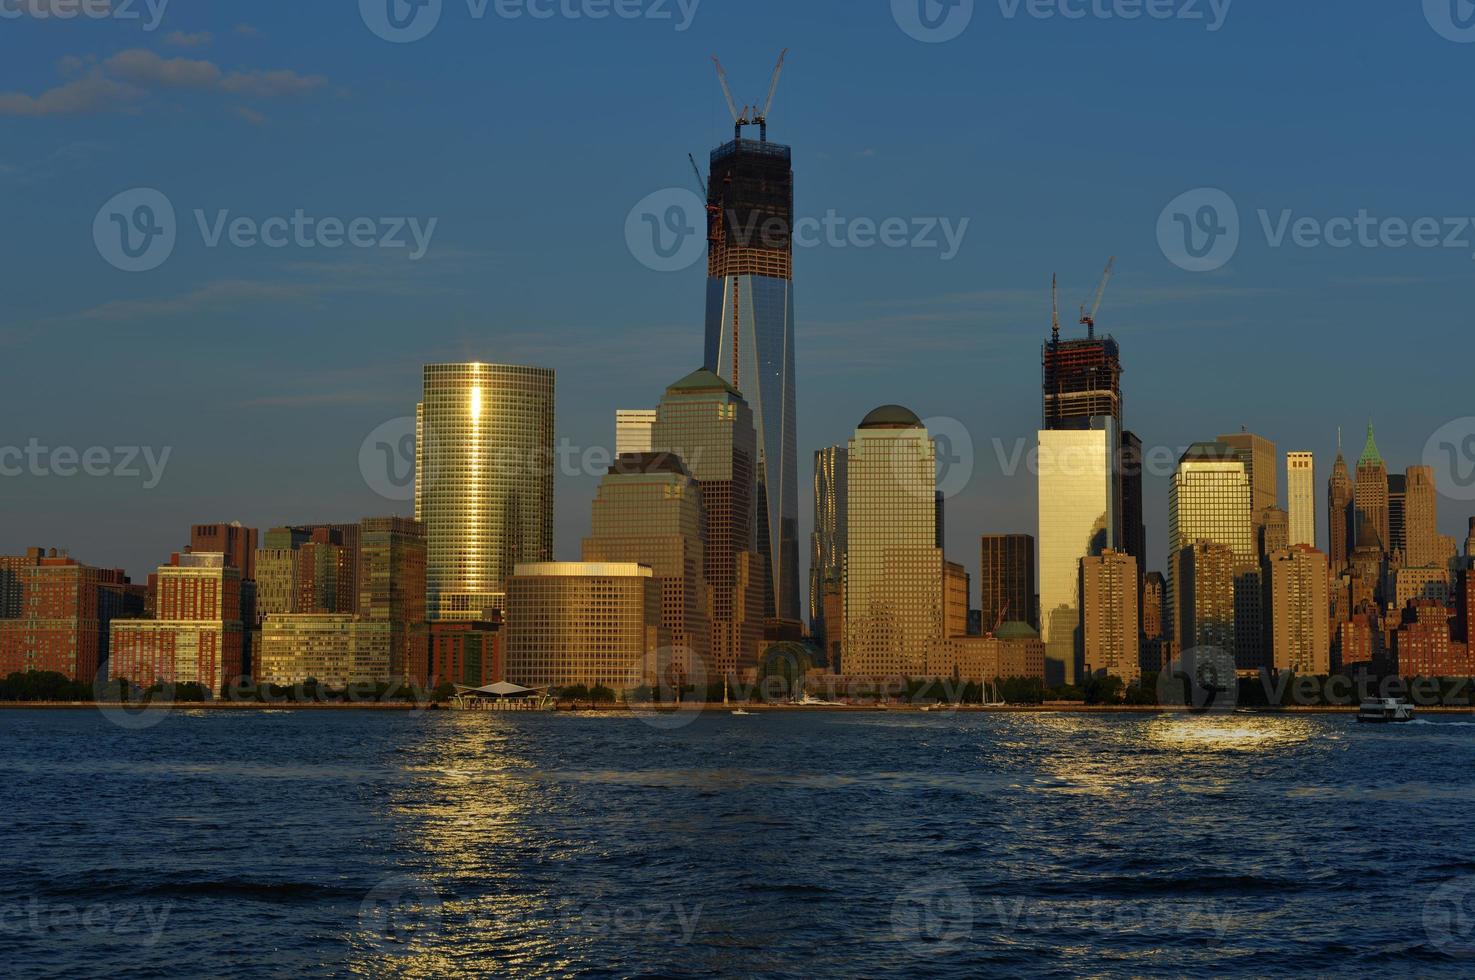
{"x": 750, "y": 335}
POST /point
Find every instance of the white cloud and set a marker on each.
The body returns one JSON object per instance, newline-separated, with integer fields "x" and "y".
{"x": 92, "y": 93}
{"x": 182, "y": 40}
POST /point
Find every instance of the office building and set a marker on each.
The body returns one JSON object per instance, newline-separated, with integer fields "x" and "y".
{"x": 1154, "y": 622}
{"x": 1079, "y": 513}
{"x": 1209, "y": 501}
{"x": 893, "y": 568}
{"x": 1397, "y": 499}
{"x": 706, "y": 422}
{"x": 1421, "y": 546}
{"x": 648, "y": 511}
{"x": 1204, "y": 583}
{"x": 483, "y": 480}
{"x": 586, "y": 623}
{"x": 1260, "y": 459}
{"x": 1370, "y": 493}
{"x": 955, "y": 594}
{"x": 1339, "y": 516}
{"x": 1006, "y": 580}
{"x": 632, "y": 430}
{"x": 750, "y": 335}
{"x": 467, "y": 653}
{"x": 827, "y": 542}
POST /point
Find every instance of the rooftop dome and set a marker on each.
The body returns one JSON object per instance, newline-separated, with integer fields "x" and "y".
{"x": 891, "y": 417}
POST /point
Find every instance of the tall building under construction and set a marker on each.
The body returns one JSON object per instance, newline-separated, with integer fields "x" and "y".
{"x": 750, "y": 325}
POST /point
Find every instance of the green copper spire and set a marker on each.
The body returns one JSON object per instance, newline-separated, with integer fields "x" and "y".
{"x": 1370, "y": 454}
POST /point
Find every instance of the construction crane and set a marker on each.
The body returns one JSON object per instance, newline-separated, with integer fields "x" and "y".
{"x": 750, "y": 115}
{"x": 701, "y": 181}
{"x": 999, "y": 621}
{"x": 1089, "y": 319}
{"x": 1054, "y": 311}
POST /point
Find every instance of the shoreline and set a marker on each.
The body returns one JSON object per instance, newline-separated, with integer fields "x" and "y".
{"x": 1081, "y": 709}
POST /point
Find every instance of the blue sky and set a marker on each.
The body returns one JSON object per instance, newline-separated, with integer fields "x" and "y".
{"x": 529, "y": 141}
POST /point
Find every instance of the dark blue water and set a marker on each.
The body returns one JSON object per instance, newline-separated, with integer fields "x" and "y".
{"x": 448, "y": 844}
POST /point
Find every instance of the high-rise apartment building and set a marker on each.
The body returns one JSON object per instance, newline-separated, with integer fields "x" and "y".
{"x": 827, "y": 542}
{"x": 1204, "y": 584}
{"x": 1079, "y": 515}
{"x": 483, "y": 480}
{"x": 648, "y": 510}
{"x": 1370, "y": 493}
{"x": 237, "y": 543}
{"x": 632, "y": 430}
{"x": 707, "y": 423}
{"x": 1300, "y": 611}
{"x": 59, "y": 614}
{"x": 391, "y": 591}
{"x": 750, "y": 335}
{"x": 196, "y": 635}
{"x": 586, "y": 623}
{"x": 1301, "y": 497}
{"x": 1421, "y": 546}
{"x": 1006, "y": 580}
{"x": 893, "y": 567}
{"x": 1109, "y": 604}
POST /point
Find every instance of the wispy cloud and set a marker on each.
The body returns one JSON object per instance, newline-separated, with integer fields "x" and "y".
{"x": 122, "y": 81}
{"x": 180, "y": 39}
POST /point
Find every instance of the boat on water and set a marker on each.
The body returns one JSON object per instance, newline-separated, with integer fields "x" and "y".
{"x": 1385, "y": 710}
{"x": 742, "y": 712}
{"x": 810, "y": 701}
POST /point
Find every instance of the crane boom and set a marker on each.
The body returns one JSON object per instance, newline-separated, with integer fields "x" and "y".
{"x": 1089, "y": 319}
{"x": 773, "y": 85}
{"x": 698, "y": 171}
{"x": 727, "y": 91}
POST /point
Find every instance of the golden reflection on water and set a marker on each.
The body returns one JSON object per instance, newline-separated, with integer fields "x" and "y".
{"x": 1229, "y": 732}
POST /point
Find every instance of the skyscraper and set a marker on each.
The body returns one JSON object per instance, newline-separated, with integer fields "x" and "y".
{"x": 1203, "y": 581}
{"x": 1301, "y": 497}
{"x": 1258, "y": 454}
{"x": 750, "y": 334}
{"x": 483, "y": 480}
{"x": 1209, "y": 501}
{"x": 1082, "y": 380}
{"x": 1421, "y": 519}
{"x": 196, "y": 635}
{"x": 1109, "y": 603}
{"x": 649, "y": 511}
{"x": 237, "y": 543}
{"x": 1300, "y": 611}
{"x": 956, "y": 590}
{"x": 1006, "y": 580}
{"x": 1397, "y": 499}
{"x": 1339, "y": 512}
{"x": 391, "y": 591}
{"x": 1370, "y": 492}
{"x": 706, "y": 422}
{"x": 893, "y": 567}
{"x": 1079, "y": 515}
{"x": 632, "y": 430}
{"x": 827, "y": 543}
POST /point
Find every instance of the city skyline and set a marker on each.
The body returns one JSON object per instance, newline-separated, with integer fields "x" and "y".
{"x": 898, "y": 318}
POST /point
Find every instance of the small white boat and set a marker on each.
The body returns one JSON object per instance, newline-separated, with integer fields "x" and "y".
{"x": 1385, "y": 710}
{"x": 742, "y": 712}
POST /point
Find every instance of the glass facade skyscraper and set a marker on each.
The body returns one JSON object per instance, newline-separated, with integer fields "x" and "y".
{"x": 1079, "y": 514}
{"x": 893, "y": 567}
{"x": 827, "y": 543}
{"x": 750, "y": 335}
{"x": 483, "y": 481}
